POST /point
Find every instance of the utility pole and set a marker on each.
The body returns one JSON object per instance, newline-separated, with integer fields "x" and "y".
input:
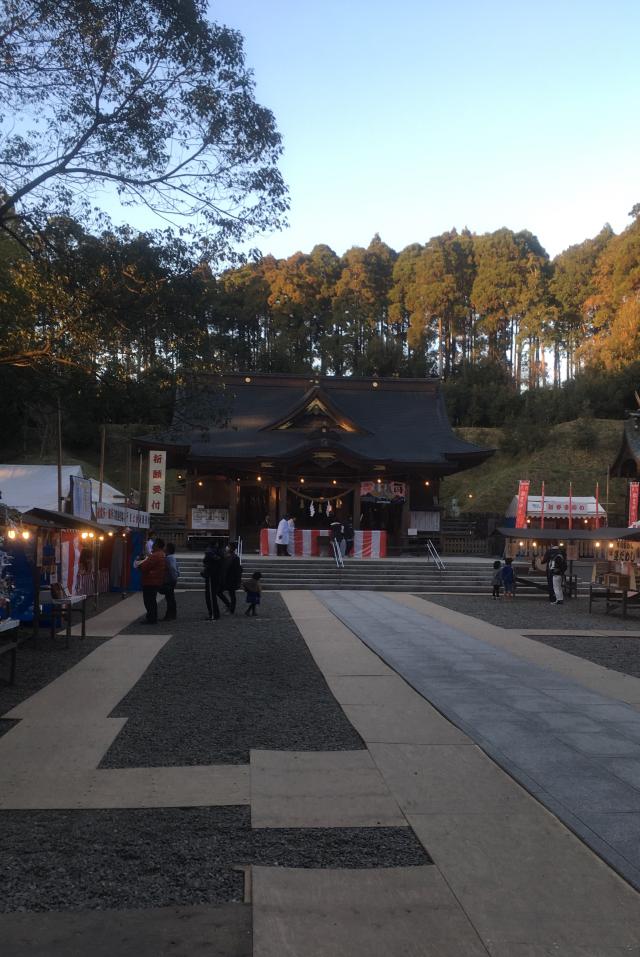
{"x": 60, "y": 499}
{"x": 103, "y": 438}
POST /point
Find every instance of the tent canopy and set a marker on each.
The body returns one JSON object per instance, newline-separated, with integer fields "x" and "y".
{"x": 24, "y": 487}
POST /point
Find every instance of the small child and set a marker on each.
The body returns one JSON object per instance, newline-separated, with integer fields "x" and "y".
{"x": 496, "y": 581}
{"x": 253, "y": 589}
{"x": 508, "y": 578}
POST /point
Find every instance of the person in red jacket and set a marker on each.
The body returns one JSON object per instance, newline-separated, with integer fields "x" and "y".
{"x": 152, "y": 571}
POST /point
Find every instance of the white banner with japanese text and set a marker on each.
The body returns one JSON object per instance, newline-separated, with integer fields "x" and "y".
{"x": 156, "y": 483}
{"x": 107, "y": 514}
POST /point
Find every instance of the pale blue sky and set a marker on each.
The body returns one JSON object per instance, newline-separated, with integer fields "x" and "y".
{"x": 410, "y": 117}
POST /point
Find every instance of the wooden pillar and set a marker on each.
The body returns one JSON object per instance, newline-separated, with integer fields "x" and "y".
{"x": 273, "y": 505}
{"x": 233, "y": 509}
{"x": 188, "y": 498}
{"x": 356, "y": 505}
{"x": 406, "y": 508}
{"x": 282, "y": 504}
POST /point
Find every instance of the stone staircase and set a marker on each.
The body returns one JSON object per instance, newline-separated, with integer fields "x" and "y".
{"x": 389, "y": 574}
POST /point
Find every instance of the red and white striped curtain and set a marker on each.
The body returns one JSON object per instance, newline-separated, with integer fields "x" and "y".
{"x": 304, "y": 543}
{"x": 370, "y": 544}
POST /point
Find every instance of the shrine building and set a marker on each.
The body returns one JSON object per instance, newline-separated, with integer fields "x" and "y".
{"x": 319, "y": 449}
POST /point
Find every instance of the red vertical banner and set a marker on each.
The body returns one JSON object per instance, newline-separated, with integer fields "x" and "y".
{"x": 634, "y": 490}
{"x": 570, "y": 507}
{"x": 523, "y": 497}
{"x": 542, "y": 506}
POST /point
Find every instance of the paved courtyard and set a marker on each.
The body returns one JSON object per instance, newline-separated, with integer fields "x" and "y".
{"x": 350, "y": 773}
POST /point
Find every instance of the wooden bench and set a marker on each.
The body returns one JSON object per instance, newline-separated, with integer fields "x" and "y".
{"x": 613, "y": 598}
{"x": 9, "y": 647}
{"x": 531, "y": 578}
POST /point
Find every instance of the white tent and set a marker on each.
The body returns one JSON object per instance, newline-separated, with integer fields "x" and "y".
{"x": 36, "y": 486}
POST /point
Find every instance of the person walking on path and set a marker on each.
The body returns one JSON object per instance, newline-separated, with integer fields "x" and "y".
{"x": 212, "y": 573}
{"x": 282, "y": 536}
{"x": 508, "y": 578}
{"x": 253, "y": 589}
{"x": 549, "y": 560}
{"x": 349, "y": 537}
{"x": 496, "y": 581}
{"x": 231, "y": 579}
{"x": 152, "y": 572}
{"x": 172, "y": 573}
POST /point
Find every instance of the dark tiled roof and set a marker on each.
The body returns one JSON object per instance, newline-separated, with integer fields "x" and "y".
{"x": 400, "y": 420}
{"x": 629, "y": 453}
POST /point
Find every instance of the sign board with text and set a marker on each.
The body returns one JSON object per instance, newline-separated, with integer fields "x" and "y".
{"x": 156, "y": 483}
{"x": 210, "y": 518}
{"x": 120, "y": 515}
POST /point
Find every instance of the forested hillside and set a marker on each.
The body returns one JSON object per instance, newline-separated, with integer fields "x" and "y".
{"x": 111, "y": 324}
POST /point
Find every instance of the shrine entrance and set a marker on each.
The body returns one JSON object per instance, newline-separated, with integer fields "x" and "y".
{"x": 317, "y": 505}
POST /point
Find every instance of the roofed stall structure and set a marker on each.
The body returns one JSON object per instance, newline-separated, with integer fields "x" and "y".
{"x": 627, "y": 462}
{"x": 317, "y": 448}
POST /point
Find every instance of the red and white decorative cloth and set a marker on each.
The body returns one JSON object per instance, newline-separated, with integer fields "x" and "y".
{"x": 303, "y": 542}
{"x": 370, "y": 544}
{"x": 69, "y": 561}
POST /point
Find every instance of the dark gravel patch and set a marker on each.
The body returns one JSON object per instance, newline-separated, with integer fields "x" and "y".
{"x": 218, "y": 689}
{"x": 40, "y": 661}
{"x": 535, "y": 613}
{"x": 127, "y": 859}
{"x": 618, "y": 652}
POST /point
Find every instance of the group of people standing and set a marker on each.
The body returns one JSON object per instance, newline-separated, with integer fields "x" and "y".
{"x": 222, "y": 573}
{"x": 556, "y": 566}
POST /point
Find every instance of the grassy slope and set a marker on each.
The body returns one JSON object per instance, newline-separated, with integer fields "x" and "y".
{"x": 561, "y": 460}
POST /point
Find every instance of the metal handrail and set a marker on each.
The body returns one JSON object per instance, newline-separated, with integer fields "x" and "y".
{"x": 239, "y": 549}
{"x": 337, "y": 554}
{"x": 432, "y": 552}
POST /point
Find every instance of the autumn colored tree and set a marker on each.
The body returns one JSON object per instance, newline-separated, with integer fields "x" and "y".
{"x": 572, "y": 286}
{"x": 614, "y": 308}
{"x": 509, "y": 285}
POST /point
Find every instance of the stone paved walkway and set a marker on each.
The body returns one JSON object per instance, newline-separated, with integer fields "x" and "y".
{"x": 577, "y": 750}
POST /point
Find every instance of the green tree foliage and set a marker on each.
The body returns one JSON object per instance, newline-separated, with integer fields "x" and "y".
{"x": 145, "y": 96}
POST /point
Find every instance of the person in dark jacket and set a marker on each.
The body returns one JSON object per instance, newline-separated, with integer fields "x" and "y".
{"x": 231, "y": 580}
{"x": 213, "y": 573}
{"x": 349, "y": 536}
{"x": 549, "y": 561}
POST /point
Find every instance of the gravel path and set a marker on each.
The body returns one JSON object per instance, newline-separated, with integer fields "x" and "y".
{"x": 618, "y": 652}
{"x": 536, "y": 613}
{"x": 125, "y": 859}
{"x": 217, "y": 689}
